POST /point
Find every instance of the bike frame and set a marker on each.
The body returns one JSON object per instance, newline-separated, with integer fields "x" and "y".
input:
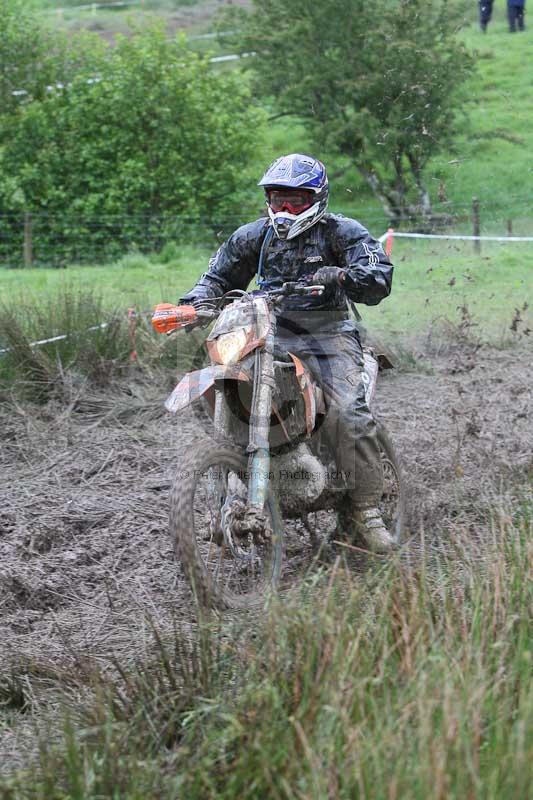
{"x": 258, "y": 443}
{"x": 258, "y": 448}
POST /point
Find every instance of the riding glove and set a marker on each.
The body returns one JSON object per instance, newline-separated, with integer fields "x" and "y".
{"x": 330, "y": 276}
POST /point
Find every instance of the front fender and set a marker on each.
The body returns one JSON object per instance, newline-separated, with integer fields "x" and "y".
{"x": 195, "y": 384}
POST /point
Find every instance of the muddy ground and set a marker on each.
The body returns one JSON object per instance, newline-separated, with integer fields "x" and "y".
{"x": 85, "y": 559}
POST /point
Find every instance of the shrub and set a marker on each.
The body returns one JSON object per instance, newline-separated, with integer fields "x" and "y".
{"x": 153, "y": 144}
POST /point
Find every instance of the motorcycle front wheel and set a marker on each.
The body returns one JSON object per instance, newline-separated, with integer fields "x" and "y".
{"x": 225, "y": 564}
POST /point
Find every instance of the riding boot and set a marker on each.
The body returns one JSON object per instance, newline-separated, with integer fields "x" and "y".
{"x": 363, "y": 524}
{"x": 370, "y": 528}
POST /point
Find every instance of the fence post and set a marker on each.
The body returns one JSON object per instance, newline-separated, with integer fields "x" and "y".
{"x": 132, "y": 325}
{"x": 389, "y": 241}
{"x": 509, "y": 227}
{"x": 28, "y": 239}
{"x": 475, "y": 223}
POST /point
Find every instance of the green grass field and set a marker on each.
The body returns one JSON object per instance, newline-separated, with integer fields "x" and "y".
{"x": 433, "y": 280}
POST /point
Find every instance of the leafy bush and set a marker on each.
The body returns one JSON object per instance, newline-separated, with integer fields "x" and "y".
{"x": 33, "y": 58}
{"x": 169, "y": 253}
{"x": 139, "y": 154}
{"x": 25, "y": 63}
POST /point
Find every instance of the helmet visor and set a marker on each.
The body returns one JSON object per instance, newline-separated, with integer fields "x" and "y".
{"x": 292, "y": 200}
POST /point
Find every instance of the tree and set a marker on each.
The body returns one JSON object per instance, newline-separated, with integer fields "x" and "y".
{"x": 34, "y": 58}
{"x": 377, "y": 82}
{"x": 23, "y": 48}
{"x": 155, "y": 138}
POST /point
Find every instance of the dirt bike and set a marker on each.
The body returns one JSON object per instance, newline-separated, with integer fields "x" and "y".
{"x": 242, "y": 496}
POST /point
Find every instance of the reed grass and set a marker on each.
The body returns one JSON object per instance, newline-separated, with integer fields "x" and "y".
{"x": 414, "y": 681}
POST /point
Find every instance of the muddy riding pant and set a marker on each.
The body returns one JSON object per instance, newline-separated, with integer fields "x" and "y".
{"x": 333, "y": 353}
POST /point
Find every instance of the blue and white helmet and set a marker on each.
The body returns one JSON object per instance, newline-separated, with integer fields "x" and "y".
{"x": 296, "y": 171}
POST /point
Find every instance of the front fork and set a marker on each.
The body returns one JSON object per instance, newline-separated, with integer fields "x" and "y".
{"x": 258, "y": 448}
{"x": 259, "y": 461}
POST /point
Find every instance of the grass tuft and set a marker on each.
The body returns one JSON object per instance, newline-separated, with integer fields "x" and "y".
{"x": 97, "y": 345}
{"x": 95, "y": 342}
{"x": 413, "y": 681}
{"x": 13, "y": 693}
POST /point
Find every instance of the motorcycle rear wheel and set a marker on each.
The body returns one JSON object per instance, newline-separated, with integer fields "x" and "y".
{"x": 222, "y": 570}
{"x": 392, "y": 504}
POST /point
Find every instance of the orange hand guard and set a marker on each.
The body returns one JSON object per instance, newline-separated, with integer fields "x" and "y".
{"x": 167, "y": 317}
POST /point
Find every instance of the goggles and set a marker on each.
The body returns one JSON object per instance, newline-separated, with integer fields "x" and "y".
{"x": 294, "y": 201}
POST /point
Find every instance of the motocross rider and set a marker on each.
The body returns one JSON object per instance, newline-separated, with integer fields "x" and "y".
{"x": 300, "y": 240}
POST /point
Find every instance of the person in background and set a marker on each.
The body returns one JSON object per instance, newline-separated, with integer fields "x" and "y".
{"x": 515, "y": 14}
{"x": 485, "y": 13}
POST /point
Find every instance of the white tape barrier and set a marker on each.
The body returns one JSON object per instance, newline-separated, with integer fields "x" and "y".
{"x": 213, "y": 60}
{"x": 211, "y": 35}
{"x": 381, "y": 239}
{"x": 396, "y": 235}
{"x": 233, "y": 57}
{"x": 91, "y": 6}
{"x": 57, "y": 338}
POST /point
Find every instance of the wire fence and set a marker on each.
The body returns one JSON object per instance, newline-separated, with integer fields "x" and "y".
{"x": 387, "y": 239}
{"x": 38, "y": 238}
{"x": 44, "y": 239}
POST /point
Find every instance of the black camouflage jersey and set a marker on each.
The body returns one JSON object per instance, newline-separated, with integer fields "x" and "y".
{"x": 334, "y": 241}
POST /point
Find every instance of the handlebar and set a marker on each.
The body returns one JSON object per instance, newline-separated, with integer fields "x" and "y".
{"x": 208, "y": 309}
{"x": 210, "y": 306}
{"x": 293, "y": 287}
{"x": 169, "y": 318}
